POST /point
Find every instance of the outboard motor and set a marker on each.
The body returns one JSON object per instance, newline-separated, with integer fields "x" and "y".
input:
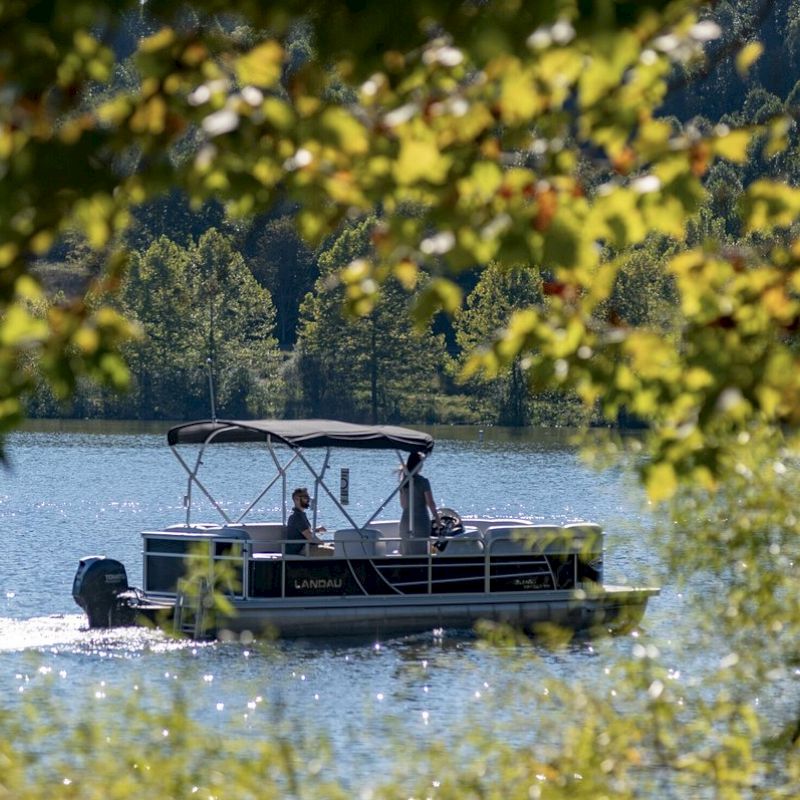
{"x": 98, "y": 583}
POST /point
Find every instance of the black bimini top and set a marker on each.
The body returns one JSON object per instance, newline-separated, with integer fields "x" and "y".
{"x": 301, "y": 433}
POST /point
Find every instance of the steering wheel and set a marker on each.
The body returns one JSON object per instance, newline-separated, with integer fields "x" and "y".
{"x": 451, "y": 523}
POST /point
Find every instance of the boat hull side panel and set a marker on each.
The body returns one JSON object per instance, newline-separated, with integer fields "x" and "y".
{"x": 615, "y": 612}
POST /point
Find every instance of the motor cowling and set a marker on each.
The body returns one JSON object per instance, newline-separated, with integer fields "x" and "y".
{"x": 98, "y": 583}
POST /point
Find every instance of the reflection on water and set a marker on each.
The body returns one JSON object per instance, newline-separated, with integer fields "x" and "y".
{"x": 368, "y": 701}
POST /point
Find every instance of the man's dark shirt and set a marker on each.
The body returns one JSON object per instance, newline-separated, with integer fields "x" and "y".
{"x": 295, "y": 525}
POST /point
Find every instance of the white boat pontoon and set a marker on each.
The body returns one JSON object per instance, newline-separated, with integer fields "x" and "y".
{"x": 362, "y": 582}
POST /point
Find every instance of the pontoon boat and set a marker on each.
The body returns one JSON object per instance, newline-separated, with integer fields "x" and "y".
{"x": 362, "y": 582}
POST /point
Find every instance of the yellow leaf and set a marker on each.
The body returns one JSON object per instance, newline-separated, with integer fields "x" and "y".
{"x": 768, "y": 204}
{"x": 481, "y": 361}
{"x": 697, "y": 378}
{"x": 86, "y": 340}
{"x": 481, "y": 185}
{"x": 357, "y": 271}
{"x": 419, "y": 160}
{"x": 653, "y": 135}
{"x": 150, "y": 117}
{"x": 660, "y": 481}
{"x": 8, "y": 252}
{"x": 278, "y": 113}
{"x": 778, "y": 304}
{"x": 28, "y": 287}
{"x": 348, "y": 132}
{"x": 42, "y": 242}
{"x": 267, "y": 172}
{"x": 115, "y": 370}
{"x": 6, "y": 142}
{"x": 519, "y": 100}
{"x": 114, "y": 111}
{"x": 747, "y": 56}
{"x": 625, "y": 379}
{"x": 261, "y": 66}
{"x": 18, "y": 327}
{"x": 449, "y": 294}
{"x": 439, "y": 294}
{"x": 596, "y": 80}
{"x": 407, "y": 273}
{"x": 158, "y": 41}
{"x": 769, "y": 399}
{"x": 307, "y": 105}
{"x": 778, "y": 139}
{"x": 732, "y": 146}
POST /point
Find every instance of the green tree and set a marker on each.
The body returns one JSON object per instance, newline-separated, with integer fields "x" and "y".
{"x": 375, "y": 367}
{"x": 194, "y": 304}
{"x": 488, "y": 309}
{"x": 283, "y": 264}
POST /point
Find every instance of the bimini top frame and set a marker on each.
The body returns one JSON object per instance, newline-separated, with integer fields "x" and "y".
{"x": 297, "y": 435}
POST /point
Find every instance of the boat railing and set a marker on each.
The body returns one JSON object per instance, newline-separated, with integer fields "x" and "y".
{"x": 224, "y": 553}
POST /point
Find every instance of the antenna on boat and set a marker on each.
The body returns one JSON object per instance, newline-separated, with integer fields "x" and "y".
{"x": 209, "y": 367}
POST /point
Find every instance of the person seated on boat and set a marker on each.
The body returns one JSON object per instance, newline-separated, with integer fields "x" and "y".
{"x": 416, "y": 497}
{"x": 298, "y": 528}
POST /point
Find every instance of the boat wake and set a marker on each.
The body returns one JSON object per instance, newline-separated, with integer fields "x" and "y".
{"x": 70, "y": 633}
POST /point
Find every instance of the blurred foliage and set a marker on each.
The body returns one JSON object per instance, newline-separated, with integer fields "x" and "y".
{"x": 506, "y": 132}
{"x": 486, "y": 311}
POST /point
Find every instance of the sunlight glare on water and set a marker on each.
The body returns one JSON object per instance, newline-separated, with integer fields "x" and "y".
{"x": 62, "y": 633}
{"x": 74, "y": 494}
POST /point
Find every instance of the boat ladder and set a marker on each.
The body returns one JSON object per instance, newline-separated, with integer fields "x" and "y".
{"x": 191, "y": 606}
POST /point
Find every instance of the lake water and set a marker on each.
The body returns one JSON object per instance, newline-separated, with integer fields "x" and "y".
{"x": 69, "y": 493}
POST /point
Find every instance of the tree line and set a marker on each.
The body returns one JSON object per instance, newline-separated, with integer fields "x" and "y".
{"x": 267, "y": 313}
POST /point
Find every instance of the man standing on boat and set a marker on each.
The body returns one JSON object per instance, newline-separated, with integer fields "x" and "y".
{"x": 298, "y": 528}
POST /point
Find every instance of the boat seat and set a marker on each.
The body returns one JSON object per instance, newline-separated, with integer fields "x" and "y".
{"x": 518, "y": 539}
{"x": 389, "y": 542}
{"x": 355, "y": 543}
{"x": 265, "y": 536}
{"x": 466, "y": 543}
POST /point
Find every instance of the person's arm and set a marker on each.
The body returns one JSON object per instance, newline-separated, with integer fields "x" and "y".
{"x": 432, "y": 506}
{"x": 309, "y": 534}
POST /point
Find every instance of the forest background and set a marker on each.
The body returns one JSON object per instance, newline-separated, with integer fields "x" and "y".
{"x": 266, "y": 307}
